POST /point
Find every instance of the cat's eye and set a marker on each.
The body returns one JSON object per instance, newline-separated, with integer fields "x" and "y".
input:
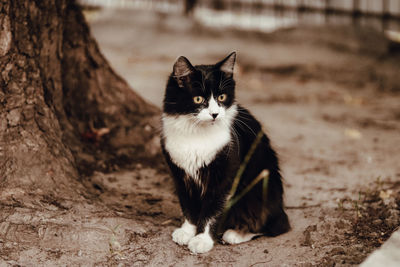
{"x": 222, "y": 98}
{"x": 198, "y": 99}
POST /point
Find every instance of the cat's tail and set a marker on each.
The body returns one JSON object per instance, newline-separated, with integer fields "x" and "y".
{"x": 277, "y": 223}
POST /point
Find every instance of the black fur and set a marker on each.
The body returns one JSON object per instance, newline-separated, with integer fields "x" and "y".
{"x": 250, "y": 214}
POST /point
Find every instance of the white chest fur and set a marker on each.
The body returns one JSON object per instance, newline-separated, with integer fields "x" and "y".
{"x": 193, "y": 146}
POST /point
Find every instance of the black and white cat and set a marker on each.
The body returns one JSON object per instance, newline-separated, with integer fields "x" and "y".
{"x": 205, "y": 138}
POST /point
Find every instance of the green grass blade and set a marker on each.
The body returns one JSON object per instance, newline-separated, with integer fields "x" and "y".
{"x": 245, "y": 162}
{"x": 263, "y": 175}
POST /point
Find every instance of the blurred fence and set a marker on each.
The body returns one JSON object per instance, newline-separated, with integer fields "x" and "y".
{"x": 268, "y": 15}
{"x": 358, "y": 7}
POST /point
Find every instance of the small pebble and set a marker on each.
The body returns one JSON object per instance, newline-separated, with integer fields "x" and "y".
{"x": 377, "y": 222}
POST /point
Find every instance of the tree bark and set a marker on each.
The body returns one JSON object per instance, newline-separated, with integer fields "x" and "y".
{"x": 64, "y": 113}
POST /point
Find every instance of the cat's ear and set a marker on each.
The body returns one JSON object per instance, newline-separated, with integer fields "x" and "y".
{"x": 182, "y": 68}
{"x": 228, "y": 63}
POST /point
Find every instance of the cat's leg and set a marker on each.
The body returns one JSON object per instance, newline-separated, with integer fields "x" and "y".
{"x": 235, "y": 237}
{"x": 183, "y": 234}
{"x": 202, "y": 242}
{"x": 188, "y": 230}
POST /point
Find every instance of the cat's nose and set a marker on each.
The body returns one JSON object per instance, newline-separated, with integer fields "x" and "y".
{"x": 214, "y": 115}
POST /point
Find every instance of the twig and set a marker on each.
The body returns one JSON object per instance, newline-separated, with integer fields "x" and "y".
{"x": 302, "y": 207}
{"x": 263, "y": 175}
{"x": 265, "y": 188}
{"x": 260, "y": 262}
{"x": 237, "y": 178}
{"x": 245, "y": 162}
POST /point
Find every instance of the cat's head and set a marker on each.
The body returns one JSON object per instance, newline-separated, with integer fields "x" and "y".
{"x": 204, "y": 92}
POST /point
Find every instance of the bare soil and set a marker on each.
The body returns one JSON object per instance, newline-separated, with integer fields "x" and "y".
{"x": 329, "y": 100}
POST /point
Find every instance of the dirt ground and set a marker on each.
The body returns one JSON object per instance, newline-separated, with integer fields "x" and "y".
{"x": 329, "y": 100}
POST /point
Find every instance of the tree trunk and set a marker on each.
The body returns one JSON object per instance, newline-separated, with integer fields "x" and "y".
{"x": 64, "y": 113}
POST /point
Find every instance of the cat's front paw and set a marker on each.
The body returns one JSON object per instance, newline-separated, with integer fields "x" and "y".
{"x": 201, "y": 243}
{"x": 182, "y": 236}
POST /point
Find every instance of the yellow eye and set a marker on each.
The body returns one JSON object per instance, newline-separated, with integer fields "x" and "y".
{"x": 198, "y": 99}
{"x": 222, "y": 98}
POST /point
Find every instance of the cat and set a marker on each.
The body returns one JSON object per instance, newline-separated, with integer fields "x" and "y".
{"x": 205, "y": 138}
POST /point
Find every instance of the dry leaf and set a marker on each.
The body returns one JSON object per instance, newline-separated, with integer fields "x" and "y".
{"x": 353, "y": 133}
{"x": 385, "y": 194}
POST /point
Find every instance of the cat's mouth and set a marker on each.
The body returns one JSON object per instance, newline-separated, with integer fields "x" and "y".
{"x": 214, "y": 122}
{"x": 209, "y": 122}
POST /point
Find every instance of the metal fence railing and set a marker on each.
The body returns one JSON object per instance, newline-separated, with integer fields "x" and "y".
{"x": 268, "y": 15}
{"x": 387, "y": 8}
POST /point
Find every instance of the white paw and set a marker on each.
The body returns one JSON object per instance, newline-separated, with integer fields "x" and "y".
{"x": 201, "y": 243}
{"x": 182, "y": 236}
{"x": 232, "y": 237}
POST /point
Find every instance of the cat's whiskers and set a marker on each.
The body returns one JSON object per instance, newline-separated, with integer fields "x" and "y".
{"x": 238, "y": 119}
{"x": 241, "y": 124}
